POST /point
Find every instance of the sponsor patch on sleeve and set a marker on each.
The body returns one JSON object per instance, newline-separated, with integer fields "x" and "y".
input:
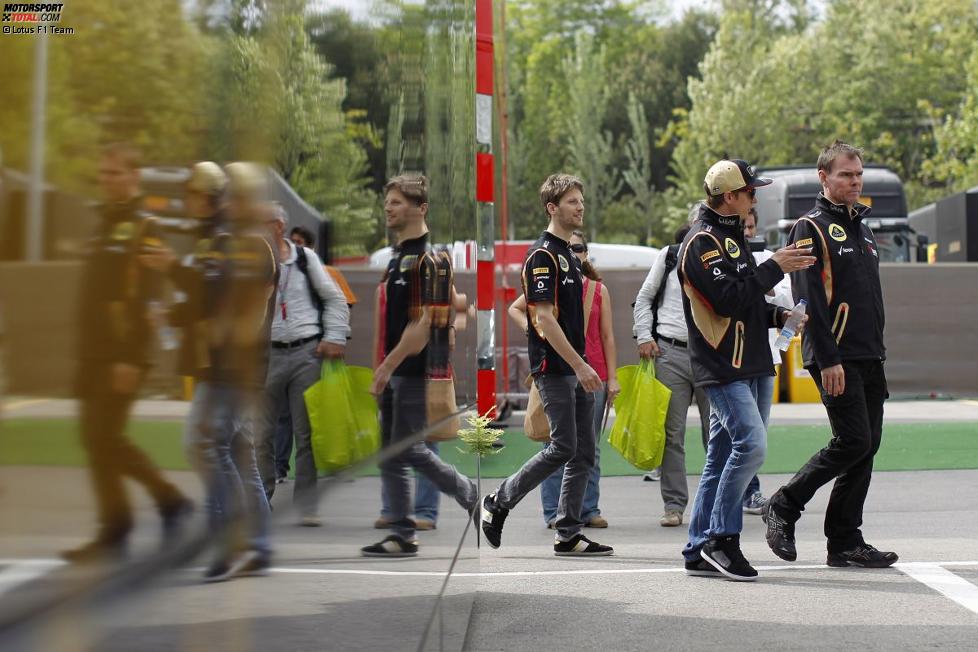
{"x": 801, "y": 244}
{"x": 541, "y": 270}
{"x": 713, "y": 253}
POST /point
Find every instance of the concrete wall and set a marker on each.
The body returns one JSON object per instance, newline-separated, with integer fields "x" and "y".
{"x": 932, "y": 316}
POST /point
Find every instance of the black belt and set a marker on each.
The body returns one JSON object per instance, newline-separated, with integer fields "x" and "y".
{"x": 294, "y": 343}
{"x": 678, "y": 343}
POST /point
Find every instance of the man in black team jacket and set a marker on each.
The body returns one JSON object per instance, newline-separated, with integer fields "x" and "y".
{"x": 844, "y": 352}
{"x": 415, "y": 347}
{"x": 552, "y": 285}
{"x": 728, "y": 321}
{"x": 115, "y": 339}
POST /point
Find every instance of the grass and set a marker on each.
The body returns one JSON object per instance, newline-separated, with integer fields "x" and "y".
{"x": 906, "y": 447}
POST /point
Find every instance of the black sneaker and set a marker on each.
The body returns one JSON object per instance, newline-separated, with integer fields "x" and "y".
{"x": 780, "y": 533}
{"x": 251, "y": 564}
{"x": 581, "y": 546}
{"x": 492, "y": 520}
{"x": 392, "y": 546}
{"x": 724, "y": 555}
{"x": 218, "y": 571}
{"x": 864, "y": 556}
{"x": 701, "y": 568}
{"x": 174, "y": 519}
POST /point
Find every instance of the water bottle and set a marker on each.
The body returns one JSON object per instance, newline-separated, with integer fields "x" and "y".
{"x": 791, "y": 325}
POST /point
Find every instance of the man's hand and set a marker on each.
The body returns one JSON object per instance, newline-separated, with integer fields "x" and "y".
{"x": 160, "y": 260}
{"x": 834, "y": 380}
{"x": 125, "y": 378}
{"x": 649, "y": 350}
{"x": 801, "y": 325}
{"x": 588, "y": 377}
{"x": 382, "y": 376}
{"x": 330, "y": 350}
{"x": 614, "y": 389}
{"x": 790, "y": 259}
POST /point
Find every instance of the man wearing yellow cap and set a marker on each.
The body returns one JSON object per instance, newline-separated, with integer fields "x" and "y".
{"x": 728, "y": 322}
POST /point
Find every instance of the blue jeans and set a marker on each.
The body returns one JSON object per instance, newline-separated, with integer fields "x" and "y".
{"x": 738, "y": 443}
{"x": 550, "y": 489}
{"x": 765, "y": 395}
{"x": 218, "y": 440}
{"x": 426, "y": 495}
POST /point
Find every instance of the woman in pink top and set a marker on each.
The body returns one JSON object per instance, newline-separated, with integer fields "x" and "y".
{"x": 600, "y": 354}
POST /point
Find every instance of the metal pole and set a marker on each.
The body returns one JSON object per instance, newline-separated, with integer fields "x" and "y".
{"x": 34, "y": 231}
{"x": 485, "y": 209}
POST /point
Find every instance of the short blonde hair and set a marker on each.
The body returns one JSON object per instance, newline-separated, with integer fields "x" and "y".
{"x": 836, "y": 150}
{"x": 412, "y": 186}
{"x": 558, "y": 185}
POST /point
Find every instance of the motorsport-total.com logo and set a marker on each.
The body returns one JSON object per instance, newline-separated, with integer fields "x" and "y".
{"x": 33, "y": 18}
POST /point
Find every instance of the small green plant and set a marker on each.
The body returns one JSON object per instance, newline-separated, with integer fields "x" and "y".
{"x": 479, "y": 439}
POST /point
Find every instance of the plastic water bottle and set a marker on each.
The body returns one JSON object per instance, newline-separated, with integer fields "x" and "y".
{"x": 791, "y": 325}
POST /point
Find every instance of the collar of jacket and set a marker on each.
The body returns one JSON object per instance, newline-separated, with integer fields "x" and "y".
{"x": 727, "y": 222}
{"x": 120, "y": 212}
{"x": 859, "y": 211}
{"x": 412, "y": 245}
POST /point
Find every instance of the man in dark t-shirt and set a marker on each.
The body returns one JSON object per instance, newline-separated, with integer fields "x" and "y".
{"x": 415, "y": 326}
{"x": 552, "y": 284}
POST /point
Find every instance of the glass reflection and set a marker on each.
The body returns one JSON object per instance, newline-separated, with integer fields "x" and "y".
{"x": 196, "y": 342}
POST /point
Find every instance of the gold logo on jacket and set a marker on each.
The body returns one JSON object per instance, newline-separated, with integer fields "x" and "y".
{"x": 732, "y": 248}
{"x": 123, "y": 231}
{"x": 837, "y": 233}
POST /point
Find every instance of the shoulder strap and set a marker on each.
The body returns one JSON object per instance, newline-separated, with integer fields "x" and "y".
{"x": 672, "y": 257}
{"x": 302, "y": 262}
{"x": 589, "y": 303}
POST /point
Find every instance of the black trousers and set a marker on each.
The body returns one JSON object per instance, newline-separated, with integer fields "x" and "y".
{"x": 112, "y": 457}
{"x": 856, "y": 418}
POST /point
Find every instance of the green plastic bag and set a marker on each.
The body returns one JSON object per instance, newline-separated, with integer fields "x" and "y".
{"x": 639, "y": 432}
{"x": 343, "y": 416}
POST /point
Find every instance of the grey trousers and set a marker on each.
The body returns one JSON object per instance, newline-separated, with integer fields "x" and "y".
{"x": 402, "y": 414}
{"x": 290, "y": 373}
{"x": 570, "y": 411}
{"x": 672, "y": 368}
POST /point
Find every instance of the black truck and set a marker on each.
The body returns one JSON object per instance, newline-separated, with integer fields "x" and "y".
{"x": 793, "y": 192}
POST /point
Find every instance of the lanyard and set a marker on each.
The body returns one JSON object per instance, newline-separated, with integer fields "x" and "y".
{"x": 283, "y": 286}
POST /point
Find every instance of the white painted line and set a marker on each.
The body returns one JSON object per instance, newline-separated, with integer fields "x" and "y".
{"x": 23, "y": 571}
{"x": 16, "y": 405}
{"x": 944, "y": 582}
{"x": 49, "y": 564}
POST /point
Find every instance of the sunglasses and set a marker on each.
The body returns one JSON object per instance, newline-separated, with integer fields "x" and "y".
{"x": 578, "y": 248}
{"x": 751, "y": 192}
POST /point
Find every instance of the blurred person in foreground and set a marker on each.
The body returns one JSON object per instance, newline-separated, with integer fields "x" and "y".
{"x": 115, "y": 340}
{"x": 226, "y": 281}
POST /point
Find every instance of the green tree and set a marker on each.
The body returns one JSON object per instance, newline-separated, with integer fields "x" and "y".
{"x": 638, "y": 175}
{"x": 590, "y": 149}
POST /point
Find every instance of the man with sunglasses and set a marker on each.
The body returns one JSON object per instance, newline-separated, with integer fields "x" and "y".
{"x": 728, "y": 321}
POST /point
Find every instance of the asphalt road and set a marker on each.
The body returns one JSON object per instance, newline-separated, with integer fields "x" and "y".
{"x": 323, "y": 596}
